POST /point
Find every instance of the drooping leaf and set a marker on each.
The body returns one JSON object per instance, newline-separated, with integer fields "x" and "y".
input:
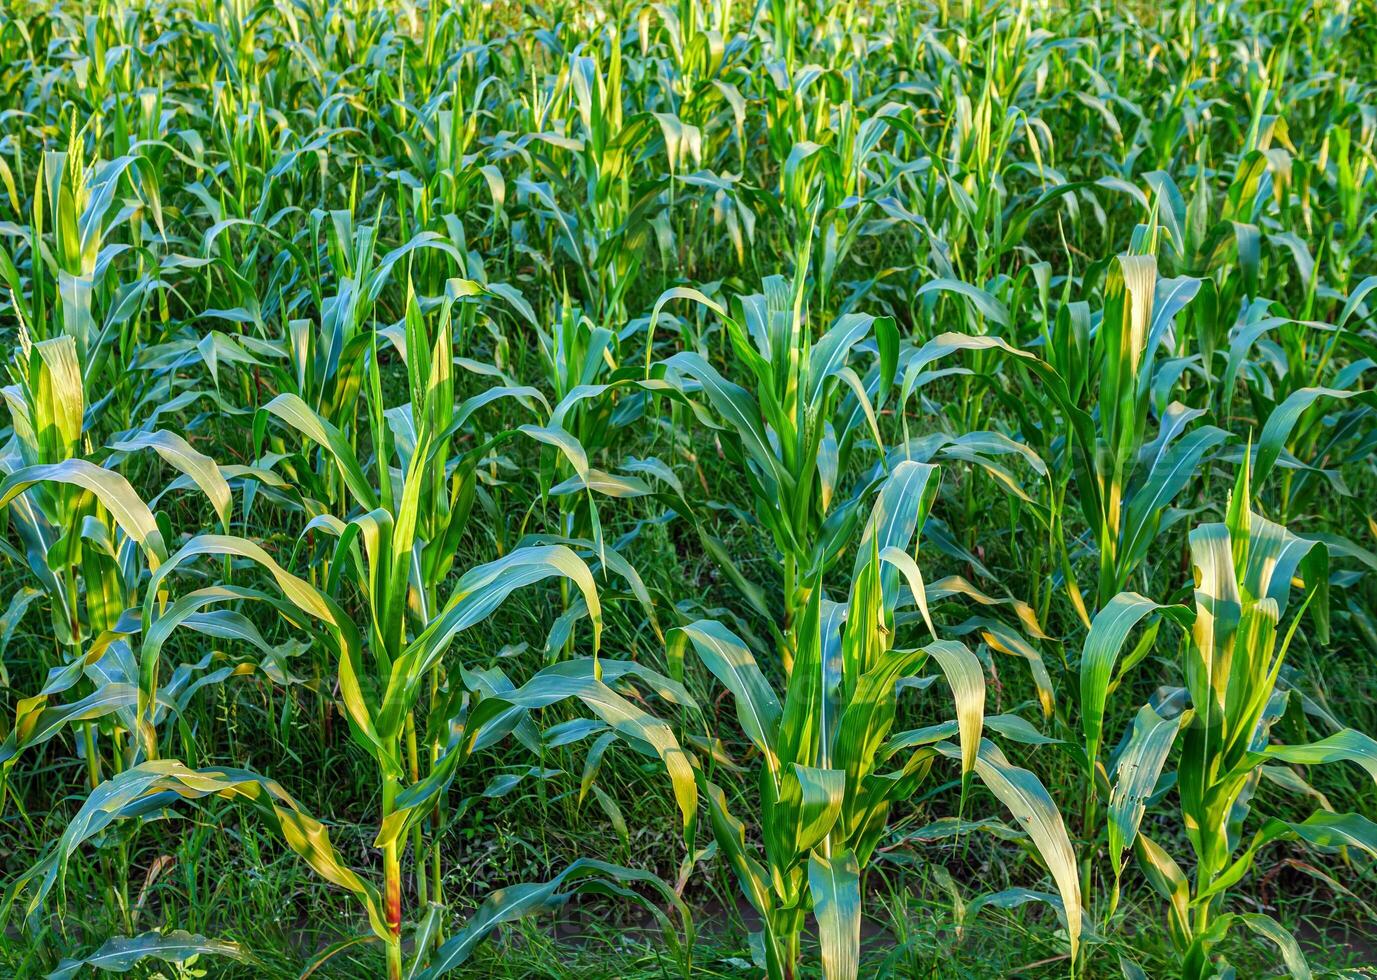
{"x": 120, "y": 954}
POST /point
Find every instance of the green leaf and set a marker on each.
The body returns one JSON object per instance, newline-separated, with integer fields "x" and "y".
{"x": 120, "y": 954}
{"x": 1282, "y": 422}
{"x": 35, "y": 723}
{"x": 516, "y": 901}
{"x": 985, "y": 304}
{"x": 1269, "y": 928}
{"x": 1348, "y": 745}
{"x": 1108, "y": 632}
{"x": 1322, "y": 829}
{"x": 1024, "y": 795}
{"x": 900, "y": 511}
{"x": 675, "y": 292}
{"x": 300, "y": 416}
{"x": 109, "y": 487}
{"x": 198, "y": 467}
{"x": 1168, "y": 477}
{"x": 815, "y": 796}
{"x": 1135, "y": 778}
{"x": 736, "y": 406}
{"x": 835, "y": 881}
{"x": 579, "y": 679}
{"x": 479, "y": 593}
{"x": 730, "y": 835}
{"x": 728, "y": 659}
{"x": 319, "y": 607}
{"x": 1167, "y": 878}
{"x": 832, "y": 351}
{"x": 966, "y": 678}
{"x": 157, "y": 784}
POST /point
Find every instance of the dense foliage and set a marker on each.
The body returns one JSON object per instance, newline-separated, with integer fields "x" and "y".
{"x": 707, "y": 488}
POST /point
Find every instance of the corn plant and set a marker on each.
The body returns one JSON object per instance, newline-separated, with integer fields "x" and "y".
{"x": 829, "y": 769}
{"x": 794, "y": 431}
{"x": 1232, "y": 700}
{"x": 1243, "y": 571}
{"x": 408, "y": 536}
{"x": 81, "y": 281}
{"x": 379, "y": 714}
{"x": 92, "y": 572}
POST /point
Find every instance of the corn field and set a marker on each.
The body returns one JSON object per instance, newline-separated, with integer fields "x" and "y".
{"x": 707, "y": 488}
